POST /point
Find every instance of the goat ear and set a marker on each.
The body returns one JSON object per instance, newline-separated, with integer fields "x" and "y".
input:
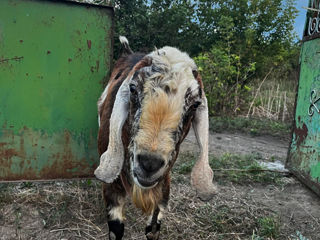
{"x": 202, "y": 174}
{"x": 111, "y": 161}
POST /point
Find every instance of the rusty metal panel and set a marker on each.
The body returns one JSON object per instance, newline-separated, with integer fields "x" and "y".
{"x": 312, "y": 26}
{"x": 304, "y": 153}
{"x": 54, "y": 59}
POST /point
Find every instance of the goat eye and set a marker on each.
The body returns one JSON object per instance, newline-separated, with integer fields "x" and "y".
{"x": 133, "y": 88}
{"x": 196, "y": 104}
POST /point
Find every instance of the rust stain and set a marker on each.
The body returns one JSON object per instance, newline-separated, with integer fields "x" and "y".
{"x": 6, "y": 157}
{"x": 69, "y": 60}
{"x": 48, "y": 52}
{"x": 301, "y": 133}
{"x": 22, "y": 153}
{"x": 89, "y": 44}
{"x": 21, "y": 41}
{"x": 63, "y": 164}
{"x": 7, "y": 152}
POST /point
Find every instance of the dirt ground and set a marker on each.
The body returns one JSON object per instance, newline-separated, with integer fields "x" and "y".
{"x": 74, "y": 209}
{"x": 238, "y": 143}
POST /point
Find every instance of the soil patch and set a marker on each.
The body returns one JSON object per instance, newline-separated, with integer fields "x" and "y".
{"x": 74, "y": 209}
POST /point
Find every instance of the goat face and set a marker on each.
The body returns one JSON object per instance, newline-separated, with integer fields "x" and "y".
{"x": 159, "y": 98}
{"x": 163, "y": 99}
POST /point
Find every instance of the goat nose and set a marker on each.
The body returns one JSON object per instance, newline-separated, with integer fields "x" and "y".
{"x": 150, "y": 162}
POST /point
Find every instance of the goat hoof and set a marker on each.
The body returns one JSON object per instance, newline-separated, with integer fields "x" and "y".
{"x": 153, "y": 231}
{"x": 153, "y": 236}
{"x": 116, "y": 230}
{"x": 206, "y": 196}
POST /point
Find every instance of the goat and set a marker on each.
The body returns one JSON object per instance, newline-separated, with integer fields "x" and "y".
{"x": 145, "y": 112}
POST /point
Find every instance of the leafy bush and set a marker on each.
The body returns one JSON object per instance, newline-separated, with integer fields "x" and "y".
{"x": 223, "y": 76}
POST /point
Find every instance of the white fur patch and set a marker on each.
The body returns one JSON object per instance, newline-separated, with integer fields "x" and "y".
{"x": 160, "y": 216}
{"x": 116, "y": 213}
{"x": 180, "y": 71}
{"x": 161, "y": 213}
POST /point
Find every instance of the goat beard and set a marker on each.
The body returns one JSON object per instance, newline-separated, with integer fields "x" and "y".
{"x": 147, "y": 199}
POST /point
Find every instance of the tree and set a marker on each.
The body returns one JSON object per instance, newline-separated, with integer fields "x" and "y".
{"x": 250, "y": 37}
{"x": 233, "y": 42}
{"x": 157, "y": 23}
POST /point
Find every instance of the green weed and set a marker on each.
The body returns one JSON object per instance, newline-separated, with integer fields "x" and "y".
{"x": 269, "y": 227}
{"x": 231, "y": 168}
{"x": 185, "y": 163}
{"x": 251, "y": 126}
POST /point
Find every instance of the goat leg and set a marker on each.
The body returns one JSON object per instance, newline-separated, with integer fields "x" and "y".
{"x": 153, "y": 230}
{"x": 114, "y": 196}
{"x": 154, "y": 223}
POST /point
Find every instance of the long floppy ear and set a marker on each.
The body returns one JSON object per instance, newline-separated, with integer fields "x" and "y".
{"x": 111, "y": 161}
{"x": 202, "y": 174}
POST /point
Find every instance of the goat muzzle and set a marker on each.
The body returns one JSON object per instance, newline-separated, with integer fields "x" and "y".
{"x": 148, "y": 169}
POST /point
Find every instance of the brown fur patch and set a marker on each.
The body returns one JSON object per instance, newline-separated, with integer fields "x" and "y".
{"x": 160, "y": 117}
{"x": 147, "y": 199}
{"x": 199, "y": 80}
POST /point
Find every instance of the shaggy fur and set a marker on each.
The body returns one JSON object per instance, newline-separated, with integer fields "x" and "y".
{"x": 160, "y": 118}
{"x": 147, "y": 199}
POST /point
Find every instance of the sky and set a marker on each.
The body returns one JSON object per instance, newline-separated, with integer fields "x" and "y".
{"x": 300, "y": 20}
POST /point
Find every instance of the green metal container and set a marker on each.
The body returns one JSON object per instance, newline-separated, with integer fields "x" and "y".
{"x": 55, "y": 58}
{"x": 304, "y": 153}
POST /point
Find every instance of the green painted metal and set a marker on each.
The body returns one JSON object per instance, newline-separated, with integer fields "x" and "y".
{"x": 304, "y": 153}
{"x": 54, "y": 59}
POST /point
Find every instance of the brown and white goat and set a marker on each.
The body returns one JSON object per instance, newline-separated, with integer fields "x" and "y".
{"x": 145, "y": 112}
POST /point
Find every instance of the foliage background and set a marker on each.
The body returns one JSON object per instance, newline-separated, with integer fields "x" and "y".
{"x": 246, "y": 50}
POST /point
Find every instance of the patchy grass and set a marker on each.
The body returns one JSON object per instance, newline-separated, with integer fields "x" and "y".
{"x": 269, "y": 227}
{"x": 240, "y": 169}
{"x": 75, "y": 210}
{"x": 251, "y": 126}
